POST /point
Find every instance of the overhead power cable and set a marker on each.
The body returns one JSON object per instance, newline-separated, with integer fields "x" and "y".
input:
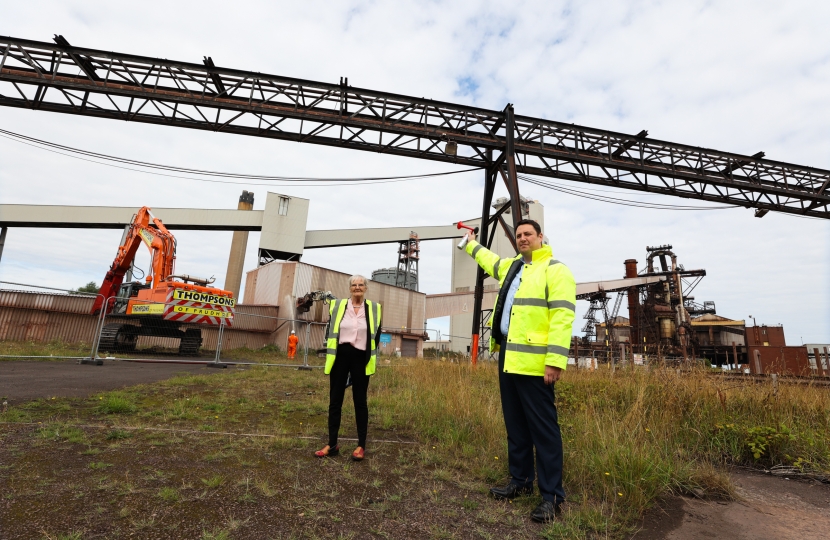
{"x": 615, "y": 200}
{"x": 262, "y": 180}
{"x": 220, "y": 177}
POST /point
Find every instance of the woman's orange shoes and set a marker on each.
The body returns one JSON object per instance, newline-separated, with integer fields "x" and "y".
{"x": 328, "y": 451}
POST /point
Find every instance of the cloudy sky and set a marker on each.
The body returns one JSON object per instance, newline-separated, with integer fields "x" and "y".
{"x": 737, "y": 76}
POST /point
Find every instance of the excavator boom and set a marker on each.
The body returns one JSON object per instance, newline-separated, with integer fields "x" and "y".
{"x": 159, "y": 241}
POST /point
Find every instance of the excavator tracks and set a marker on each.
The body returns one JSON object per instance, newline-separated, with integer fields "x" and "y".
{"x": 190, "y": 342}
{"x": 117, "y": 337}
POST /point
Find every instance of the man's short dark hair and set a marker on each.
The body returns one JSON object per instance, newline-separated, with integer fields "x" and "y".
{"x": 532, "y": 223}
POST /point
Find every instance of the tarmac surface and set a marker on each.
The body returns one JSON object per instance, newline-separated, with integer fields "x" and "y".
{"x": 25, "y": 381}
{"x": 767, "y": 508}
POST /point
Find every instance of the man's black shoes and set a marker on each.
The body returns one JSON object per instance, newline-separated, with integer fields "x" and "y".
{"x": 510, "y": 491}
{"x": 545, "y": 512}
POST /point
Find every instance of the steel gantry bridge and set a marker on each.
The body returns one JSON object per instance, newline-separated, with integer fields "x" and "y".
{"x": 59, "y": 77}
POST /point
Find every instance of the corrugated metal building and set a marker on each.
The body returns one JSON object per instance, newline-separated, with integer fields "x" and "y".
{"x": 280, "y": 283}
{"x": 44, "y": 317}
{"x": 32, "y": 316}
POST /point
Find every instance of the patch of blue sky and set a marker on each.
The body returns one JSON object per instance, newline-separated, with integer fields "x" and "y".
{"x": 467, "y": 86}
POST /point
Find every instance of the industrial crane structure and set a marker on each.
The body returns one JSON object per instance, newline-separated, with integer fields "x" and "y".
{"x": 59, "y": 77}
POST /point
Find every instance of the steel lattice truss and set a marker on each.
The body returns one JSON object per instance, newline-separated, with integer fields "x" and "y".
{"x": 62, "y": 78}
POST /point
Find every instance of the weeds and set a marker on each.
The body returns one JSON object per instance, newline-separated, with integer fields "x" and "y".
{"x": 118, "y": 434}
{"x": 214, "y": 481}
{"x": 169, "y": 494}
{"x": 628, "y": 438}
{"x": 216, "y": 534}
{"x": 74, "y": 535}
{"x": 117, "y": 403}
{"x": 61, "y": 432}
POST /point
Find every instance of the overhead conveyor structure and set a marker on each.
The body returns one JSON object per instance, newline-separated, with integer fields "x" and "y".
{"x": 59, "y": 77}
{"x": 284, "y": 233}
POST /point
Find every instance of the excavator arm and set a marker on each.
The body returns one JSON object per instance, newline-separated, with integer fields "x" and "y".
{"x": 148, "y": 229}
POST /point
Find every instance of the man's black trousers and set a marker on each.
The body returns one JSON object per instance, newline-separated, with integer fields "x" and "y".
{"x": 531, "y": 420}
{"x": 349, "y": 361}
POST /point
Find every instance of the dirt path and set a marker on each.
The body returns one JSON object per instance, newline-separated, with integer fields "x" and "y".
{"x": 768, "y": 508}
{"x": 23, "y": 381}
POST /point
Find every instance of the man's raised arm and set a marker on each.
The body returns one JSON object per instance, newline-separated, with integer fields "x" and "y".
{"x": 486, "y": 259}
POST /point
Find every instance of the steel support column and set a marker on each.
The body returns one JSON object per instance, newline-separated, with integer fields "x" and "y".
{"x": 2, "y": 240}
{"x": 512, "y": 179}
{"x": 506, "y": 161}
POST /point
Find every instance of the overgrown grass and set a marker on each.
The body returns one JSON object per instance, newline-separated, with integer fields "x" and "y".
{"x": 117, "y": 403}
{"x": 47, "y": 350}
{"x": 629, "y": 438}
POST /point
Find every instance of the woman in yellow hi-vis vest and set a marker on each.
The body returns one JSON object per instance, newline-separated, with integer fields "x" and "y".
{"x": 351, "y": 357}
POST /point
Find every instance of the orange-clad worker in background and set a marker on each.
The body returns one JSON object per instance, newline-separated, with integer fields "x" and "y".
{"x": 292, "y": 344}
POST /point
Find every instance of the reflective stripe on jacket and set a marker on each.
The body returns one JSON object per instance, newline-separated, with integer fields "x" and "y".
{"x": 336, "y": 311}
{"x": 542, "y": 316}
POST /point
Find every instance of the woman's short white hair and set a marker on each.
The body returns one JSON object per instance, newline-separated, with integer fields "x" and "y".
{"x": 358, "y": 276}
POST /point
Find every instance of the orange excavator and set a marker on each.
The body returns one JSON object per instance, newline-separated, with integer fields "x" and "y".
{"x": 165, "y": 301}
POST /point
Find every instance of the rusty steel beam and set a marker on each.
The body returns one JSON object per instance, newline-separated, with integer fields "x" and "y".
{"x": 59, "y": 77}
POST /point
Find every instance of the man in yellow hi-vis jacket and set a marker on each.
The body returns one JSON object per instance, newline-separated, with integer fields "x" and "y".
{"x": 531, "y": 329}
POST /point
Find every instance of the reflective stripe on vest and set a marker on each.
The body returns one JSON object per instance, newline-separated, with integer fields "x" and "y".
{"x": 537, "y": 302}
{"x": 335, "y": 334}
{"x": 537, "y": 349}
{"x": 553, "y": 304}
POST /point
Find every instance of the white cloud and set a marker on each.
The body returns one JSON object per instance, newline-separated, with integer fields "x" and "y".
{"x": 737, "y": 76}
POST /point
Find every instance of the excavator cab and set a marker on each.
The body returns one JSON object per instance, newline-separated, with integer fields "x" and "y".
{"x": 125, "y": 292}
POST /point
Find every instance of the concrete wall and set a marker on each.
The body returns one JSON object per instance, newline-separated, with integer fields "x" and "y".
{"x": 284, "y": 234}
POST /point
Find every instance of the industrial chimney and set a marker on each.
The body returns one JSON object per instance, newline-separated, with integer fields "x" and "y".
{"x": 633, "y": 305}
{"x": 236, "y": 260}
